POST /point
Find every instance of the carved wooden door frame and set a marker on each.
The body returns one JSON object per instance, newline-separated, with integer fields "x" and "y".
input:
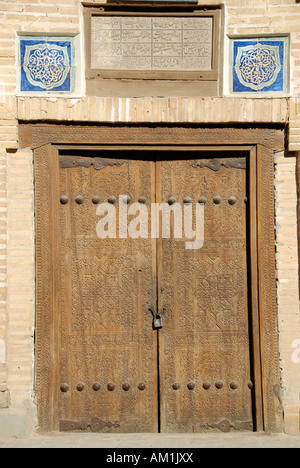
{"x": 261, "y": 143}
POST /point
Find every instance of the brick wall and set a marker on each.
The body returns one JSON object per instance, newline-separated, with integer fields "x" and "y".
{"x": 287, "y": 284}
{"x": 20, "y": 274}
{"x": 17, "y": 267}
{"x": 4, "y": 396}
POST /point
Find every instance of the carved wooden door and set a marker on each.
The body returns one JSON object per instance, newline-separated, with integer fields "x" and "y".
{"x": 205, "y": 372}
{"x": 101, "y": 365}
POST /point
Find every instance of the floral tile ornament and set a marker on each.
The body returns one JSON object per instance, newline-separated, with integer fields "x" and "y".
{"x": 259, "y": 65}
{"x": 47, "y": 65}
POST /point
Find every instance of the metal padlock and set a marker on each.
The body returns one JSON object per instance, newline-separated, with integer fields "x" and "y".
{"x": 157, "y": 322}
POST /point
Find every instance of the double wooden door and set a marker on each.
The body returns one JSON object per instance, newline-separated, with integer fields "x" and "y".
{"x": 113, "y": 271}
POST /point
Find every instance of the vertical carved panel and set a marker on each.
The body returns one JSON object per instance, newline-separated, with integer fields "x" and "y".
{"x": 268, "y": 310}
{"x": 46, "y": 170}
{"x": 298, "y": 199}
{"x": 205, "y": 342}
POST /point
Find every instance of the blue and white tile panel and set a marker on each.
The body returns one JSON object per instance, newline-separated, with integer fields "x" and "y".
{"x": 46, "y": 65}
{"x": 259, "y": 65}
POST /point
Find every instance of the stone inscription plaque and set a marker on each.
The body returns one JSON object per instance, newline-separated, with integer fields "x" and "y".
{"x": 151, "y": 43}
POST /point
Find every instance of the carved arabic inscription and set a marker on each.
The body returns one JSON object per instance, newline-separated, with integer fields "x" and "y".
{"x": 151, "y": 43}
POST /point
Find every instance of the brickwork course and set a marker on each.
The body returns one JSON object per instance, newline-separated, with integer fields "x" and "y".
{"x": 242, "y": 18}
